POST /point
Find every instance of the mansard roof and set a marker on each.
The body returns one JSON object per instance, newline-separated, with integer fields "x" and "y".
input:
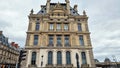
{"x": 43, "y": 9}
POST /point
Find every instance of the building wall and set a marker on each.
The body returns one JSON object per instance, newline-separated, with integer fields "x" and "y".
{"x": 8, "y": 54}
{"x": 44, "y": 53}
{"x": 58, "y": 15}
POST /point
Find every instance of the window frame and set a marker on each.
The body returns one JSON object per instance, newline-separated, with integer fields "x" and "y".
{"x": 50, "y": 58}
{"x": 51, "y": 26}
{"x": 33, "y": 58}
{"x": 66, "y": 26}
{"x": 79, "y": 27}
{"x": 59, "y": 57}
{"x": 81, "y": 40}
{"x": 84, "y": 59}
{"x": 36, "y": 37}
{"x": 68, "y": 57}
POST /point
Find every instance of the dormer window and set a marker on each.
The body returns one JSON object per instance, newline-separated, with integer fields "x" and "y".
{"x": 42, "y": 11}
{"x": 73, "y": 12}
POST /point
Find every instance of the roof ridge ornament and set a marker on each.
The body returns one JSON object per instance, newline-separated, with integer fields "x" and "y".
{"x": 58, "y": 5}
{"x": 32, "y": 11}
{"x": 84, "y": 13}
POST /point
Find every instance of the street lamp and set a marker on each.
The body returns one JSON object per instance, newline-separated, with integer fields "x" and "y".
{"x": 42, "y": 61}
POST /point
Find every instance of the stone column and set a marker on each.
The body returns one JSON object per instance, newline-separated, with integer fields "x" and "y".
{"x": 63, "y": 57}
{"x": 55, "y": 57}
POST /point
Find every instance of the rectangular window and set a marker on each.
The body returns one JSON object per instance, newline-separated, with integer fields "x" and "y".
{"x": 35, "y": 39}
{"x": 59, "y": 40}
{"x": 51, "y": 26}
{"x": 81, "y": 40}
{"x": 58, "y": 27}
{"x": 66, "y": 40}
{"x": 83, "y": 58}
{"x": 51, "y": 40}
{"x": 79, "y": 27}
{"x": 66, "y": 27}
{"x": 33, "y": 60}
{"x": 37, "y": 26}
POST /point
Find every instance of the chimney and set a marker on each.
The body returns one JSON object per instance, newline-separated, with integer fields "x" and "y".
{"x": 75, "y": 7}
{"x": 68, "y": 6}
{"x": 48, "y": 5}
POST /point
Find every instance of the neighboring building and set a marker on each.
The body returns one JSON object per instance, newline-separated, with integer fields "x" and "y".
{"x": 9, "y": 53}
{"x": 107, "y": 64}
{"x": 58, "y": 37}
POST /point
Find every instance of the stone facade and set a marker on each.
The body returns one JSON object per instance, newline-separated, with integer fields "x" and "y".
{"x": 58, "y": 29}
{"x": 9, "y": 53}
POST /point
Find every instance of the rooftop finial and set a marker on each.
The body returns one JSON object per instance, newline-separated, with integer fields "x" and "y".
{"x": 31, "y": 11}
{"x": 67, "y": 1}
{"x": 84, "y": 13}
{"x": 75, "y": 7}
{"x": 48, "y": 0}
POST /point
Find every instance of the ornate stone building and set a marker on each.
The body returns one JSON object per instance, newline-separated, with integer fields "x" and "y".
{"x": 58, "y": 37}
{"x": 9, "y": 53}
{"x": 107, "y": 63}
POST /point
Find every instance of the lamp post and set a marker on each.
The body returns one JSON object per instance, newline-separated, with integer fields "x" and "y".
{"x": 42, "y": 61}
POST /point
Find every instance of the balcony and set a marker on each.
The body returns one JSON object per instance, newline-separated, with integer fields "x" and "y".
{"x": 51, "y": 29}
{"x": 59, "y": 45}
{"x": 50, "y": 45}
{"x": 67, "y": 45}
{"x": 85, "y": 66}
{"x": 32, "y": 66}
{"x": 66, "y": 29}
{"x": 58, "y": 30}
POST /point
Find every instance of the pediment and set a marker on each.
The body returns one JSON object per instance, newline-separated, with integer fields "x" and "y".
{"x": 58, "y": 8}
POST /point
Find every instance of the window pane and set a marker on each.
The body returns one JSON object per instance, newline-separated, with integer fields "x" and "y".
{"x": 68, "y": 58}
{"x": 37, "y": 26}
{"x": 81, "y": 40}
{"x": 59, "y": 57}
{"x": 66, "y": 27}
{"x": 79, "y": 27}
{"x": 66, "y": 40}
{"x": 33, "y": 60}
{"x": 58, "y": 39}
{"x": 58, "y": 26}
{"x": 51, "y": 40}
{"x": 51, "y": 26}
{"x": 35, "y": 39}
{"x": 50, "y": 57}
{"x": 83, "y": 58}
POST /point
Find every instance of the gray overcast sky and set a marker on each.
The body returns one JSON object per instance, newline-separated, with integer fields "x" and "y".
{"x": 104, "y": 22}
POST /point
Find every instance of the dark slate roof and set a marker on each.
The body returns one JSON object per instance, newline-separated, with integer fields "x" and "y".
{"x": 43, "y": 9}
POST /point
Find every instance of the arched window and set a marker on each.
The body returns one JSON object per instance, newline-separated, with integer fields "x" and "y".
{"x": 33, "y": 60}
{"x": 68, "y": 58}
{"x": 59, "y": 57}
{"x": 50, "y": 57}
{"x": 83, "y": 58}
